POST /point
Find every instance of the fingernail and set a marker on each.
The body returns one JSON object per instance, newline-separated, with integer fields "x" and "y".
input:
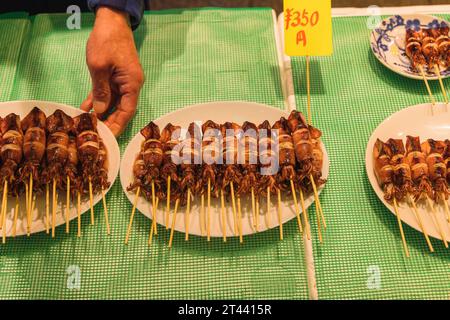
{"x": 99, "y": 106}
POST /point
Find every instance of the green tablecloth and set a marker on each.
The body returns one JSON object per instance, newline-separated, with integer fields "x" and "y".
{"x": 14, "y": 28}
{"x": 192, "y": 56}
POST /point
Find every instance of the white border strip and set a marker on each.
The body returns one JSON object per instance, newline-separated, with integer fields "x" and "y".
{"x": 348, "y": 12}
{"x": 287, "y": 84}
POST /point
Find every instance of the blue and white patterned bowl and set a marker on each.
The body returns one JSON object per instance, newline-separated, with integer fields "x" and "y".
{"x": 387, "y": 41}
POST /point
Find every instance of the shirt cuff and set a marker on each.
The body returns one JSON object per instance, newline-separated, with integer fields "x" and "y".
{"x": 134, "y": 8}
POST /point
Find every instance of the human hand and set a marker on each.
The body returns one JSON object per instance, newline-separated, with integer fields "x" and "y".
{"x": 116, "y": 73}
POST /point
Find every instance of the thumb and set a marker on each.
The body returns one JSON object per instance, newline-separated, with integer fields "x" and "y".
{"x": 101, "y": 91}
{"x": 86, "y": 105}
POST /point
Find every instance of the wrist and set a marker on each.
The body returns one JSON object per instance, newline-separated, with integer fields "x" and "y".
{"x": 112, "y": 15}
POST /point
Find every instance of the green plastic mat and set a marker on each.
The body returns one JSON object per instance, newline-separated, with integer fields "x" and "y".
{"x": 189, "y": 56}
{"x": 363, "y": 256}
{"x": 13, "y": 29}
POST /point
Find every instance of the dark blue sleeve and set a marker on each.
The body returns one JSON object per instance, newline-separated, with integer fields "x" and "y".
{"x": 135, "y": 8}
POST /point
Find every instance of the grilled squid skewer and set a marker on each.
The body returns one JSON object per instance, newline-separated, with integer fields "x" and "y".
{"x": 383, "y": 169}
{"x": 415, "y": 49}
{"x": 403, "y": 181}
{"x": 88, "y": 150}
{"x": 434, "y": 151}
{"x": 430, "y": 48}
{"x": 59, "y": 125}
{"x": 268, "y": 153}
{"x": 384, "y": 173}
{"x": 211, "y": 148}
{"x": 11, "y": 154}
{"x": 441, "y": 52}
{"x": 34, "y": 128}
{"x": 71, "y": 171}
{"x": 443, "y": 43}
{"x": 417, "y": 160}
{"x": 170, "y": 138}
{"x": 190, "y": 165}
{"x": 231, "y": 174}
{"x": 287, "y": 163}
{"x": 419, "y": 168}
{"x": 304, "y": 153}
{"x": 146, "y": 169}
{"x": 152, "y": 150}
{"x": 248, "y": 154}
{"x": 437, "y": 169}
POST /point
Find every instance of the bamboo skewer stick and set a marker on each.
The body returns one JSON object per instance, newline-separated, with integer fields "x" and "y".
{"x": 438, "y": 73}
{"x": 133, "y": 210}
{"x": 233, "y": 202}
{"x": 419, "y": 219}
{"x": 3, "y": 225}
{"x": 53, "y": 208}
{"x": 257, "y": 213}
{"x": 29, "y": 200}
{"x": 155, "y": 229}
{"x": 168, "y": 203}
{"x": 202, "y": 214}
{"x": 308, "y": 91}
{"x": 187, "y": 216}
{"x": 268, "y": 209}
{"x": 47, "y": 208}
{"x": 1, "y": 211}
{"x": 241, "y": 240}
{"x": 208, "y": 228}
{"x": 436, "y": 221}
{"x": 174, "y": 219}
{"x": 279, "y": 214}
{"x": 305, "y": 214}
{"x": 153, "y": 213}
{"x": 222, "y": 202}
{"x": 33, "y": 206}
{"x": 91, "y": 201}
{"x": 297, "y": 211}
{"x": 319, "y": 227}
{"x": 4, "y": 195}
{"x": 447, "y": 211}
{"x": 4, "y": 207}
{"x": 317, "y": 199}
{"x": 105, "y": 209}
{"x": 152, "y": 229}
{"x": 4, "y": 220}
{"x": 26, "y": 205}
{"x": 67, "y": 203}
{"x": 253, "y": 207}
{"x": 399, "y": 221}
{"x": 78, "y": 214}
{"x": 16, "y": 214}
{"x": 433, "y": 102}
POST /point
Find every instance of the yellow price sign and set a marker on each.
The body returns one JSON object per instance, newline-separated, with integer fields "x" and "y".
{"x": 307, "y": 28}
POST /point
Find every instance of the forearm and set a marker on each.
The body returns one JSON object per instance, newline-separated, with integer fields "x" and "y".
{"x": 112, "y": 16}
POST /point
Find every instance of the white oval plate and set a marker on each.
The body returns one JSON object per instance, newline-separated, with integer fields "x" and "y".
{"x": 219, "y": 112}
{"x": 387, "y": 41}
{"x": 22, "y": 108}
{"x": 423, "y": 121}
